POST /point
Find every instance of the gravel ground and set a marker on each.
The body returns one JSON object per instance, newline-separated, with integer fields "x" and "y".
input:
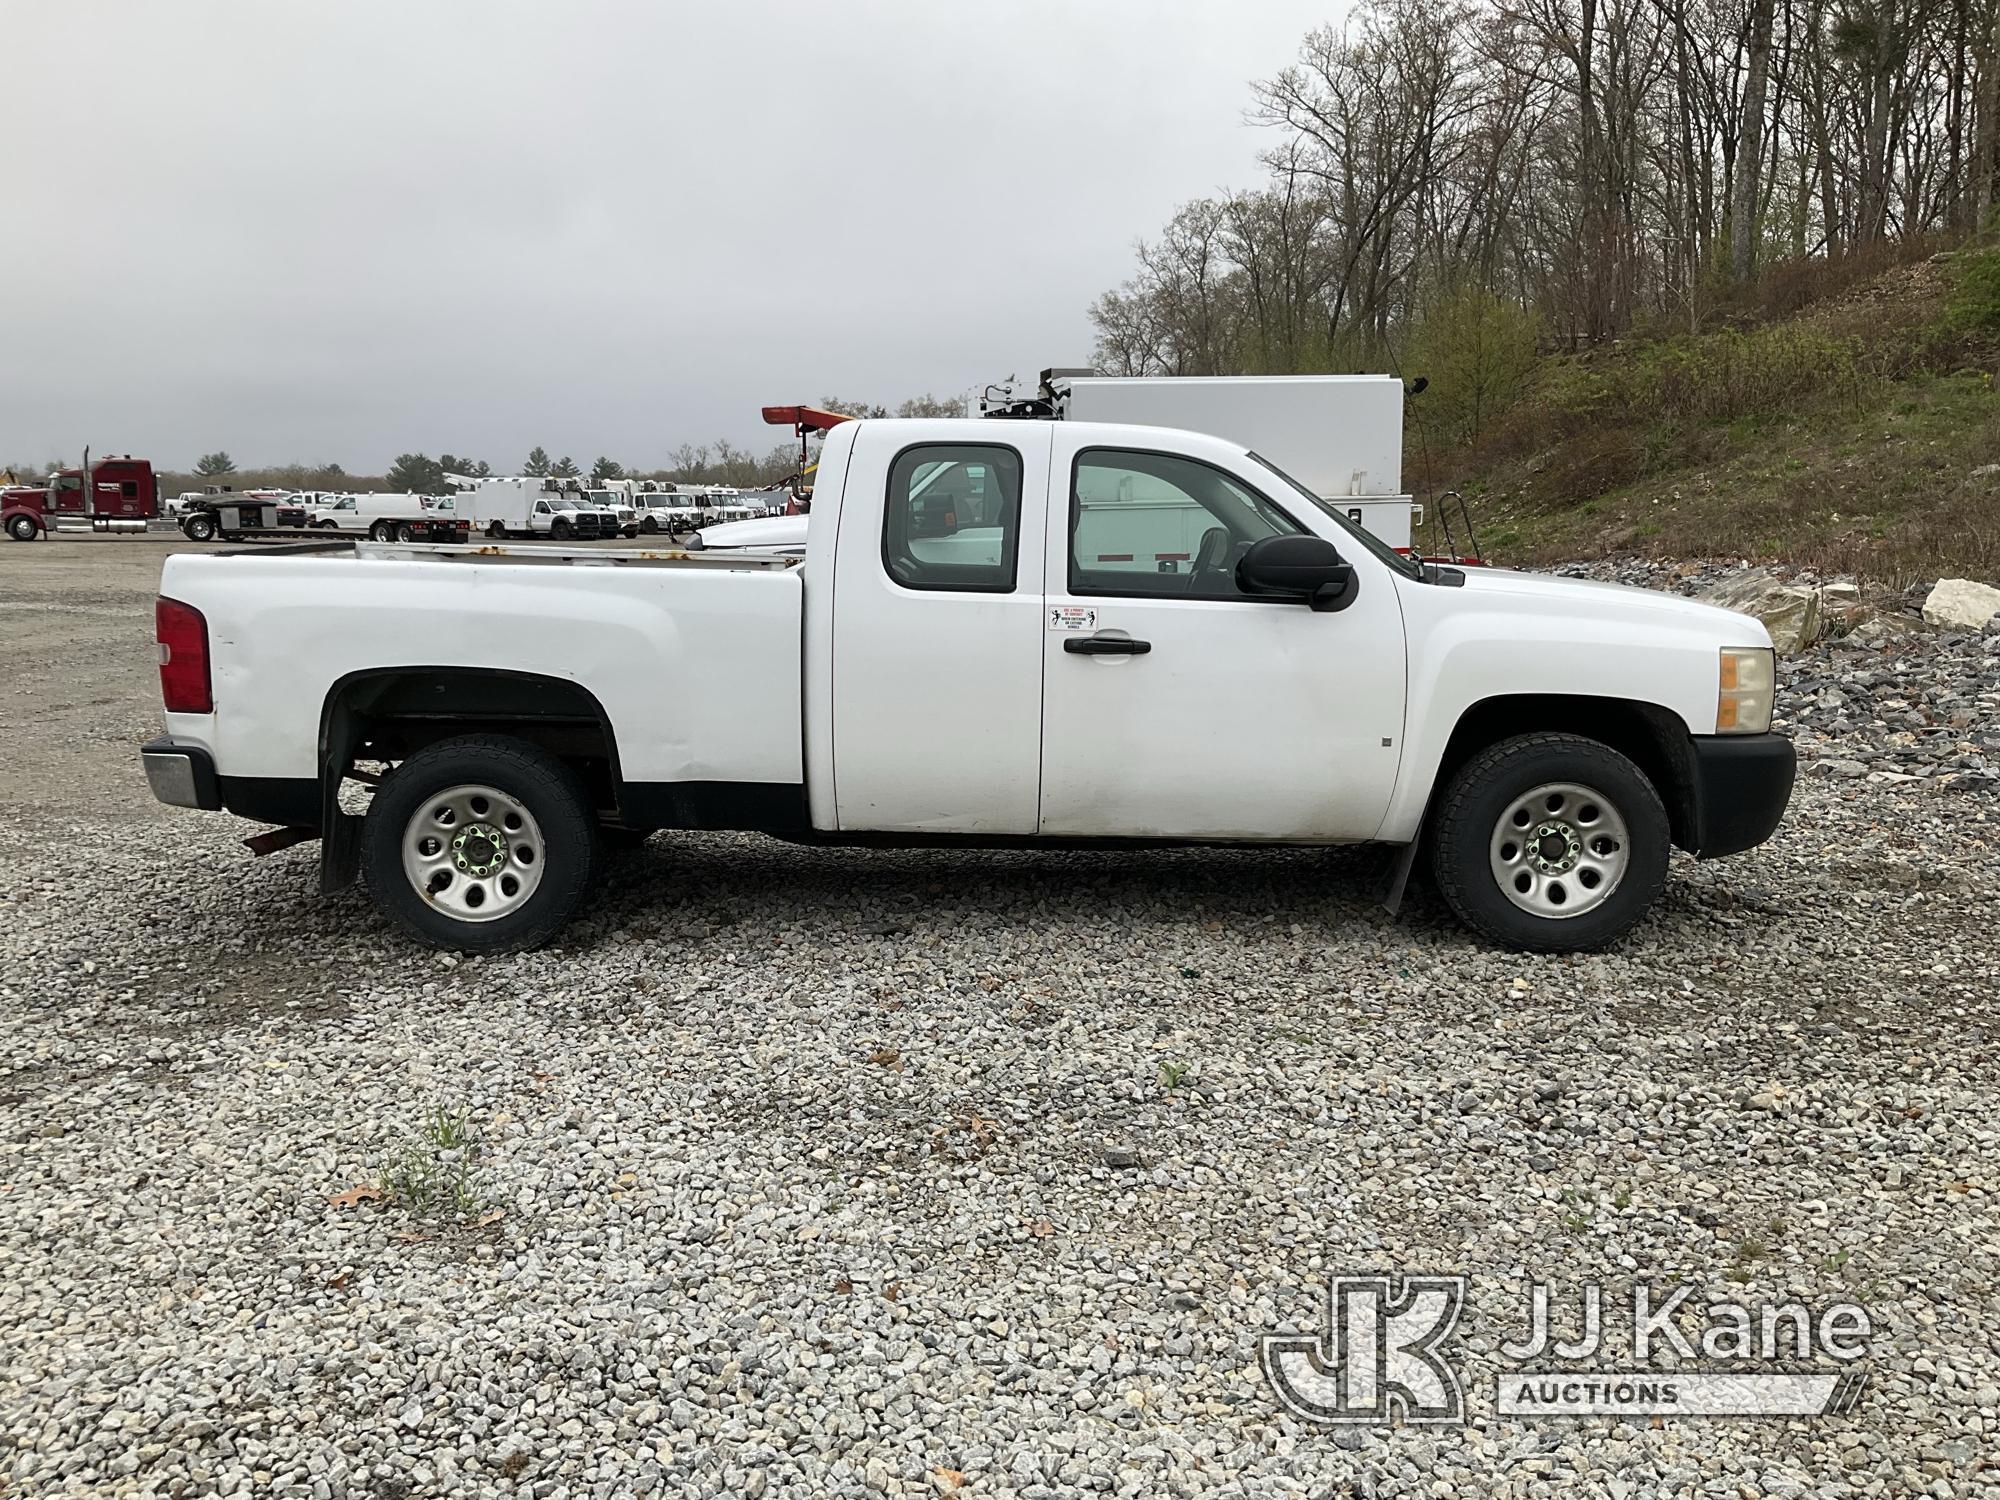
{"x": 800, "y": 1172}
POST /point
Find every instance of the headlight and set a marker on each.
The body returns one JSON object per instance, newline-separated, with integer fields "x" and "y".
{"x": 1743, "y": 696}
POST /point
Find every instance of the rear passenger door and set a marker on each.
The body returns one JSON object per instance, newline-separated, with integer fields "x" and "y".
{"x": 937, "y": 642}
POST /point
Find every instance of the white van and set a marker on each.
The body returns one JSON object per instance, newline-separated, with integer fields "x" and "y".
{"x": 385, "y": 518}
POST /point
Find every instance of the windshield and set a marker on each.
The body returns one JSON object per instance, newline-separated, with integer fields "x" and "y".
{"x": 1409, "y": 567}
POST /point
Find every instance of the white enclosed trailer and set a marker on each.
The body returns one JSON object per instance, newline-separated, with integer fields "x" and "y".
{"x": 1341, "y": 436}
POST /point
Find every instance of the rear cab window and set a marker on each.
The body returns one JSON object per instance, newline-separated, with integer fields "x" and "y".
{"x": 953, "y": 517}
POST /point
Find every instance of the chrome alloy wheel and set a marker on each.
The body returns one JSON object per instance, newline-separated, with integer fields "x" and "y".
{"x": 1560, "y": 850}
{"x": 473, "y": 852}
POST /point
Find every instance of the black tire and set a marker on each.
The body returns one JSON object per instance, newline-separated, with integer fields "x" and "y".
{"x": 560, "y": 528}
{"x": 496, "y": 531}
{"x": 650, "y": 526}
{"x": 326, "y": 525}
{"x": 382, "y": 531}
{"x": 548, "y": 788}
{"x": 23, "y": 528}
{"x": 198, "y": 527}
{"x": 406, "y": 532}
{"x": 1467, "y": 841}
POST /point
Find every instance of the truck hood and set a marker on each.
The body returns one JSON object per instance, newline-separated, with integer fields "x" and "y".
{"x": 1588, "y": 598}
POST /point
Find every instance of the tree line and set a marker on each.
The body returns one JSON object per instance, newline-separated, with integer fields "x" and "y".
{"x": 719, "y": 462}
{"x": 1478, "y": 179}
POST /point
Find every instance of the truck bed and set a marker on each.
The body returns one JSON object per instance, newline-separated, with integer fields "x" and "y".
{"x": 694, "y": 659}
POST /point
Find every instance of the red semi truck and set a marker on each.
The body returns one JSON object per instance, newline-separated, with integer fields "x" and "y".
{"x": 112, "y": 494}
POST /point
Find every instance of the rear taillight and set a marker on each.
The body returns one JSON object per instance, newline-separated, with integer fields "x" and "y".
{"x": 183, "y": 637}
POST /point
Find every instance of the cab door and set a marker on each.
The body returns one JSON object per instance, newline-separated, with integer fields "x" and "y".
{"x": 936, "y": 700}
{"x": 1177, "y": 706}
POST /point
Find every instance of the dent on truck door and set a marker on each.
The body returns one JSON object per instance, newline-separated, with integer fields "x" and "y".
{"x": 1176, "y": 706}
{"x": 937, "y": 669}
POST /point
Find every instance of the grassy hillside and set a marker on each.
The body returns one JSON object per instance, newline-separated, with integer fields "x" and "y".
{"x": 1843, "y": 428}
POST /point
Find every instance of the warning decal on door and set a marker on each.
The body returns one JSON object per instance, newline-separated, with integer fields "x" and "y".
{"x": 1072, "y": 617}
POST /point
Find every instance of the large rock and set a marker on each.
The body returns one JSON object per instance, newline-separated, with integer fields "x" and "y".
{"x": 1791, "y": 612}
{"x": 1961, "y": 604}
{"x": 1878, "y": 631}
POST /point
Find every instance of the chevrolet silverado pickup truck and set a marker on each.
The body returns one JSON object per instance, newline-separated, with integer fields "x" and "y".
{"x": 1002, "y": 634}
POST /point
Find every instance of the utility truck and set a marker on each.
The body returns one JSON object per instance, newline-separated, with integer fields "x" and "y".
{"x": 531, "y": 507}
{"x": 964, "y": 655}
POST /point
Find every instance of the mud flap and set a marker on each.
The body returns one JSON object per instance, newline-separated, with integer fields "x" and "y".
{"x": 339, "y": 853}
{"x": 1397, "y": 877}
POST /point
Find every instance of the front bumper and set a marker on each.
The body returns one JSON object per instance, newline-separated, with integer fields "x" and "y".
{"x": 181, "y": 775}
{"x": 1741, "y": 786}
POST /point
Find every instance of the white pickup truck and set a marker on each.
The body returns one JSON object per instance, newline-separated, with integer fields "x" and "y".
{"x": 988, "y": 641}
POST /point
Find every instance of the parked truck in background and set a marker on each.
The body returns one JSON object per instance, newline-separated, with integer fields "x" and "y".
{"x": 530, "y": 507}
{"x": 114, "y": 494}
{"x": 960, "y": 656}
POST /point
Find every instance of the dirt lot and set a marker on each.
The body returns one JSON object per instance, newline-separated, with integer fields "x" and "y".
{"x": 82, "y": 687}
{"x": 815, "y": 1172}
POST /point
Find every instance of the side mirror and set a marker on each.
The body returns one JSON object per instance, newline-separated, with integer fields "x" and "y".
{"x": 1298, "y": 567}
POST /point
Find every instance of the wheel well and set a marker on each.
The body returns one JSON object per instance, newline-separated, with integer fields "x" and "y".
{"x": 392, "y": 713}
{"x": 1653, "y": 738}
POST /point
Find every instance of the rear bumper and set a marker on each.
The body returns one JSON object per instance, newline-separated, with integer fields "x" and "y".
{"x": 1741, "y": 786}
{"x": 181, "y": 775}
{"x": 185, "y": 776}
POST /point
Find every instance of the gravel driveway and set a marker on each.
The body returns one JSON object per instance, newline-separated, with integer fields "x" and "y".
{"x": 800, "y": 1172}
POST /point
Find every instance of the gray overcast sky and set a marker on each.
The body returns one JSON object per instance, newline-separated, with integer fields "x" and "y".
{"x": 341, "y": 229}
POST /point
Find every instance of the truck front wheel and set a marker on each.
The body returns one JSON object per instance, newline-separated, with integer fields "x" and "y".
{"x": 1550, "y": 842}
{"x": 199, "y": 527}
{"x": 484, "y": 843}
{"x": 23, "y": 528}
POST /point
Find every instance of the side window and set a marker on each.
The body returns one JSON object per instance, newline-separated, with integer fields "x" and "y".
{"x": 1154, "y": 523}
{"x": 129, "y": 489}
{"x": 953, "y": 518}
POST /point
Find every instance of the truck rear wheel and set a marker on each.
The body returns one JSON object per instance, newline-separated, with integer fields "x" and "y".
{"x": 382, "y": 531}
{"x": 23, "y": 528}
{"x": 199, "y": 527}
{"x": 484, "y": 843}
{"x": 1550, "y": 842}
{"x": 495, "y": 530}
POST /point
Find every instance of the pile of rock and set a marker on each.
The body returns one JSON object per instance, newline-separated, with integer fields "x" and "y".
{"x": 1898, "y": 688}
{"x": 1802, "y": 609}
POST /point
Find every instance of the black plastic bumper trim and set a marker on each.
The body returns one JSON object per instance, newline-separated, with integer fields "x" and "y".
{"x": 292, "y": 801}
{"x": 1742, "y": 784}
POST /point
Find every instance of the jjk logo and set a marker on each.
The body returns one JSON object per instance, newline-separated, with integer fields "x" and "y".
{"x": 1377, "y": 1355}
